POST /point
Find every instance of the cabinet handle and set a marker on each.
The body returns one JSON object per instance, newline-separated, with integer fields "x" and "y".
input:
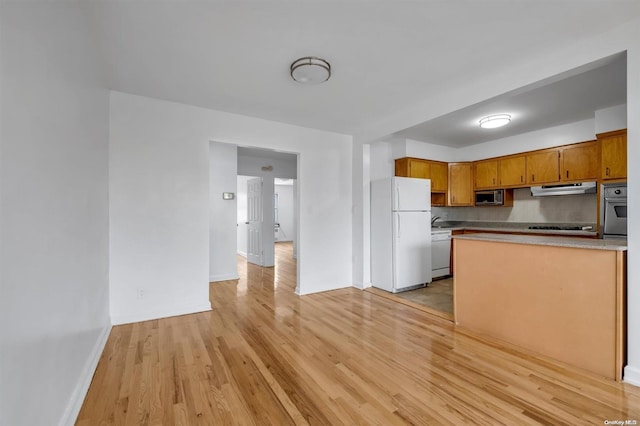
{"x": 607, "y": 171}
{"x": 521, "y": 178}
{"x": 533, "y": 178}
{"x": 567, "y": 173}
{"x": 494, "y": 181}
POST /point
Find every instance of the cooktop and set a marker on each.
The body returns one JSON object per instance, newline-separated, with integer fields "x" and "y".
{"x": 557, "y": 228}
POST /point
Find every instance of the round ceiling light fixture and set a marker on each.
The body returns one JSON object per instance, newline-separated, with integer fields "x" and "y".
{"x": 310, "y": 70}
{"x": 496, "y": 120}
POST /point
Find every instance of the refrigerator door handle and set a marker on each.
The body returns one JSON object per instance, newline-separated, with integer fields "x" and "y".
{"x": 398, "y": 235}
{"x": 397, "y": 197}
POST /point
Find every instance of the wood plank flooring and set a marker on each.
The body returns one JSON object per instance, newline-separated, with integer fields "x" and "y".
{"x": 266, "y": 356}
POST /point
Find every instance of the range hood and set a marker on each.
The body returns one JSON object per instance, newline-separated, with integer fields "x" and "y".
{"x": 565, "y": 189}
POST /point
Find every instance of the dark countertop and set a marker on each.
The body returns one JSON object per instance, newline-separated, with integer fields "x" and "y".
{"x": 520, "y": 227}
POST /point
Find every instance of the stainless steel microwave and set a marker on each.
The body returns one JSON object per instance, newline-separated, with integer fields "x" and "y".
{"x": 494, "y": 197}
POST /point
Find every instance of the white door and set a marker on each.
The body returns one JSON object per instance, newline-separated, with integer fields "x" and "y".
{"x": 411, "y": 249}
{"x": 254, "y": 221}
{"x": 410, "y": 194}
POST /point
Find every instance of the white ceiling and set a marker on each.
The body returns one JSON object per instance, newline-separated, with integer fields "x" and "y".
{"x": 560, "y": 100}
{"x": 385, "y": 55}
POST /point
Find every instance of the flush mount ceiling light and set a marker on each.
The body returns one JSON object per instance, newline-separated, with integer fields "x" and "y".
{"x": 496, "y": 120}
{"x": 310, "y": 70}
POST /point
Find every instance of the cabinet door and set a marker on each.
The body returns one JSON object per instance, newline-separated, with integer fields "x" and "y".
{"x": 438, "y": 177}
{"x": 460, "y": 184}
{"x": 614, "y": 156}
{"x": 580, "y": 162}
{"x": 402, "y": 167}
{"x": 413, "y": 167}
{"x": 543, "y": 167}
{"x": 419, "y": 169}
{"x": 512, "y": 171}
{"x": 486, "y": 174}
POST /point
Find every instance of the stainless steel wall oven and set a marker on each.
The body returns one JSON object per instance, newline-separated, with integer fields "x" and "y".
{"x": 613, "y": 211}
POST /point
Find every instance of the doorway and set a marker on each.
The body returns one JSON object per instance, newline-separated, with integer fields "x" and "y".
{"x": 267, "y": 214}
{"x": 284, "y": 213}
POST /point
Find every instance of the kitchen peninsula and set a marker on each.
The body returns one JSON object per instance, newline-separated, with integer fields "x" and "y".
{"x": 559, "y": 297}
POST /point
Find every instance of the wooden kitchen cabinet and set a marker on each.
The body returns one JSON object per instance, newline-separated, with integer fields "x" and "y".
{"x": 439, "y": 172}
{"x": 424, "y": 169}
{"x": 543, "y": 167}
{"x": 613, "y": 148}
{"x": 413, "y": 167}
{"x": 486, "y": 174}
{"x": 460, "y": 184}
{"x": 512, "y": 171}
{"x": 580, "y": 162}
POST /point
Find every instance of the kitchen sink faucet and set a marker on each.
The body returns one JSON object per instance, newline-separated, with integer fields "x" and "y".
{"x": 433, "y": 219}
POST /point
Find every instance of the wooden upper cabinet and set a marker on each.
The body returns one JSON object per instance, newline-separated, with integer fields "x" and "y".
{"x": 580, "y": 162}
{"x": 413, "y": 167}
{"x": 613, "y": 148}
{"x": 513, "y": 171}
{"x": 486, "y": 174}
{"x": 460, "y": 184}
{"x": 543, "y": 167}
{"x": 439, "y": 177}
{"x": 424, "y": 169}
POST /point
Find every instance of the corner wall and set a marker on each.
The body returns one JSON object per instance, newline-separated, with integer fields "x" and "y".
{"x": 632, "y": 370}
{"x": 223, "y": 177}
{"x": 54, "y": 303}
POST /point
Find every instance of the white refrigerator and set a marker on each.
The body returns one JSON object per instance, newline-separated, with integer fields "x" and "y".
{"x": 400, "y": 233}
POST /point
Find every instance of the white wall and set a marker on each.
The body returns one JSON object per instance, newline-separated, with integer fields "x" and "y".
{"x": 431, "y": 151}
{"x": 159, "y": 165}
{"x": 159, "y": 214}
{"x": 614, "y": 118}
{"x": 286, "y": 212}
{"x": 632, "y": 370}
{"x": 54, "y": 303}
{"x": 382, "y": 160}
{"x": 223, "y": 232}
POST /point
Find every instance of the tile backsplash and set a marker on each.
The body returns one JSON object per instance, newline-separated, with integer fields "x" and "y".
{"x": 560, "y": 209}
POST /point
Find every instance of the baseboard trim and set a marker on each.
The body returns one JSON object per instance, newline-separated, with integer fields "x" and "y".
{"x": 362, "y": 285}
{"x": 70, "y": 414}
{"x": 631, "y": 375}
{"x": 170, "y": 311}
{"x": 223, "y": 277}
{"x": 358, "y": 285}
{"x": 242, "y": 253}
{"x": 330, "y": 288}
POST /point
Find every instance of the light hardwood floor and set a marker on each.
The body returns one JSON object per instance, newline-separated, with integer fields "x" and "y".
{"x": 266, "y": 356}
